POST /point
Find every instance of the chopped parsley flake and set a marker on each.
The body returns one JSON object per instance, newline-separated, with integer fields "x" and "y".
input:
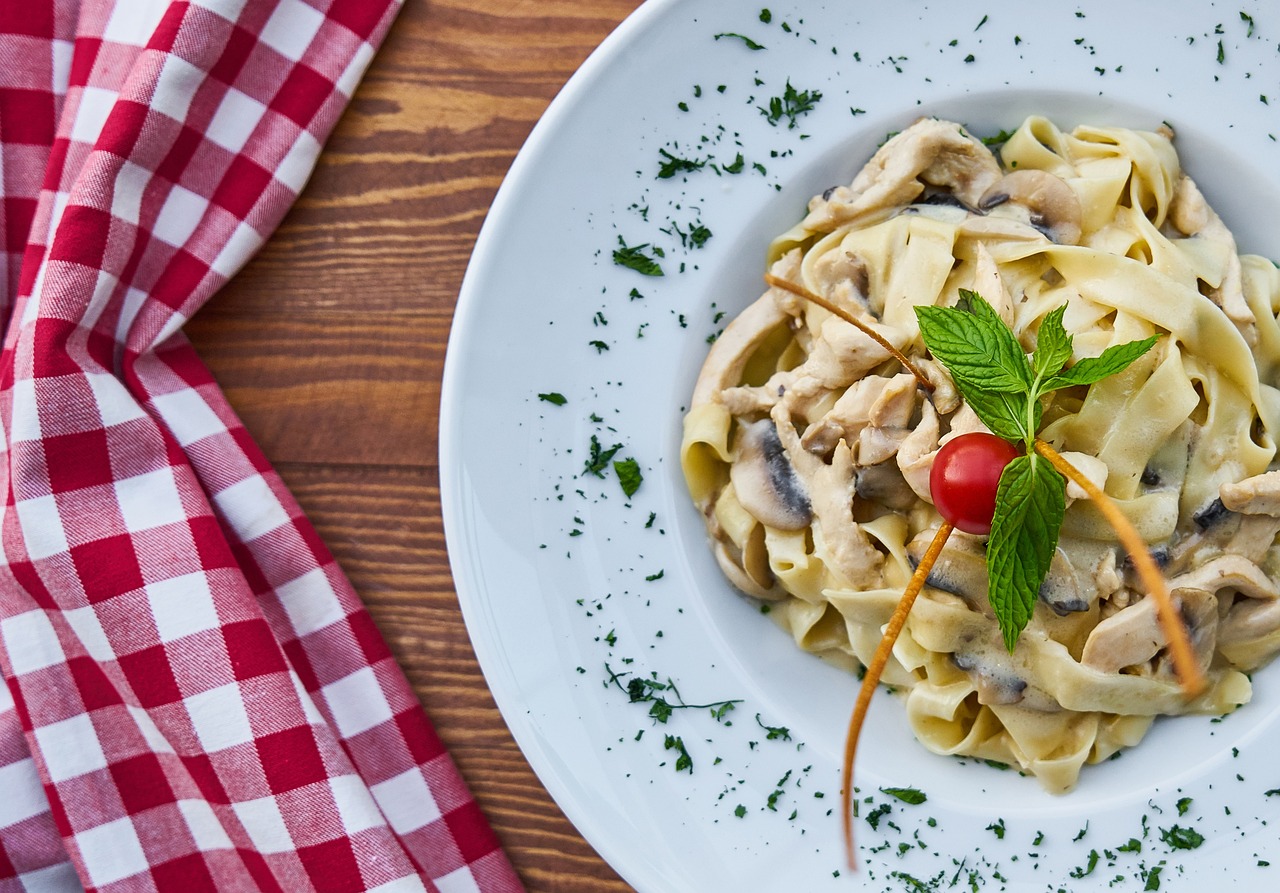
{"x": 1088, "y": 869}
{"x": 1183, "y": 805}
{"x": 684, "y": 762}
{"x": 1181, "y": 838}
{"x": 790, "y": 105}
{"x": 672, "y": 165}
{"x": 634, "y": 258}
{"x": 774, "y": 732}
{"x": 912, "y": 796}
{"x": 598, "y": 457}
{"x": 874, "y": 817}
{"x": 629, "y": 476}
{"x": 554, "y": 398}
{"x": 750, "y": 44}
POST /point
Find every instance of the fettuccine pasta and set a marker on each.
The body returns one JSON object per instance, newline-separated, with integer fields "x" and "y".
{"x": 808, "y": 448}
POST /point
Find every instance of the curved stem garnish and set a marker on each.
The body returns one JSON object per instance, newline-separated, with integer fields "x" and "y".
{"x": 1188, "y": 668}
{"x": 796, "y": 289}
{"x": 872, "y": 678}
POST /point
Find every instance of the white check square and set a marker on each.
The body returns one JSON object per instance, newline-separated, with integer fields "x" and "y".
{"x": 291, "y": 28}
{"x": 310, "y": 602}
{"x": 356, "y": 808}
{"x": 23, "y": 794}
{"x": 219, "y": 717}
{"x": 111, "y": 852}
{"x": 126, "y": 199}
{"x": 296, "y": 167}
{"x": 406, "y": 801}
{"x": 26, "y": 412}
{"x": 176, "y": 87}
{"x": 357, "y": 702}
{"x": 70, "y": 748}
{"x": 188, "y": 416}
{"x": 182, "y": 606}
{"x": 235, "y": 120}
{"x": 31, "y": 642}
{"x": 115, "y": 404}
{"x": 250, "y": 508}
{"x": 128, "y": 20}
{"x": 265, "y": 826}
{"x": 180, "y": 215}
{"x": 205, "y": 828}
{"x": 149, "y": 500}
{"x": 460, "y": 880}
{"x": 244, "y": 241}
{"x": 42, "y": 529}
{"x": 91, "y": 115}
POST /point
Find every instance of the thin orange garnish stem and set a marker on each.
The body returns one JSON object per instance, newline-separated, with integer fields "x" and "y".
{"x": 1184, "y": 662}
{"x": 796, "y": 289}
{"x": 872, "y": 678}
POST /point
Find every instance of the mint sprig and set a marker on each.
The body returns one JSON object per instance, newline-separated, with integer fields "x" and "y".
{"x": 1005, "y": 389}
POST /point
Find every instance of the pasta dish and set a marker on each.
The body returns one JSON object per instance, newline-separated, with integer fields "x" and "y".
{"x": 808, "y": 448}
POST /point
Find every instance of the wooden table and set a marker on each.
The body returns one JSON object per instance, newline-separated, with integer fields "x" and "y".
{"x": 331, "y": 344}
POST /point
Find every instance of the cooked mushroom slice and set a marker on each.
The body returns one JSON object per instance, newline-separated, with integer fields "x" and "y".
{"x": 726, "y": 557}
{"x": 996, "y": 685}
{"x": 884, "y": 484}
{"x": 961, "y": 568}
{"x": 1211, "y": 515}
{"x": 766, "y": 484}
{"x": 1257, "y": 495}
{"x": 1041, "y": 199}
{"x": 1061, "y": 589}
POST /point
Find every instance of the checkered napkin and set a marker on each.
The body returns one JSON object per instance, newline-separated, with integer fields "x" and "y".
{"x": 194, "y": 698}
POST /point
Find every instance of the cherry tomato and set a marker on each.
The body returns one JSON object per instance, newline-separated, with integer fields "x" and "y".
{"x": 964, "y": 478}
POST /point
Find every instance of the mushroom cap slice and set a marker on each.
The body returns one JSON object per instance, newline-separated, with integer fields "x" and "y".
{"x": 766, "y": 483}
{"x": 1048, "y": 203}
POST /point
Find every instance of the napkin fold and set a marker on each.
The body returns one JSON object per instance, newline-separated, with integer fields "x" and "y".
{"x": 195, "y": 698}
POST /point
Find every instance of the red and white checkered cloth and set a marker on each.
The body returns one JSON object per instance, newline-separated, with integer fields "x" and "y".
{"x": 194, "y": 699}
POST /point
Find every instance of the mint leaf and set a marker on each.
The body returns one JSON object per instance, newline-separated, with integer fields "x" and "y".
{"x": 1053, "y": 345}
{"x": 1114, "y": 359}
{"x": 1030, "y": 502}
{"x": 1004, "y": 414}
{"x": 976, "y": 347}
{"x": 629, "y": 475}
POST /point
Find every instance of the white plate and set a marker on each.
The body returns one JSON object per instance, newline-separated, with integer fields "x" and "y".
{"x": 553, "y": 566}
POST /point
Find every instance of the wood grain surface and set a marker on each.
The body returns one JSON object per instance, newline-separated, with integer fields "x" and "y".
{"x": 331, "y": 344}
